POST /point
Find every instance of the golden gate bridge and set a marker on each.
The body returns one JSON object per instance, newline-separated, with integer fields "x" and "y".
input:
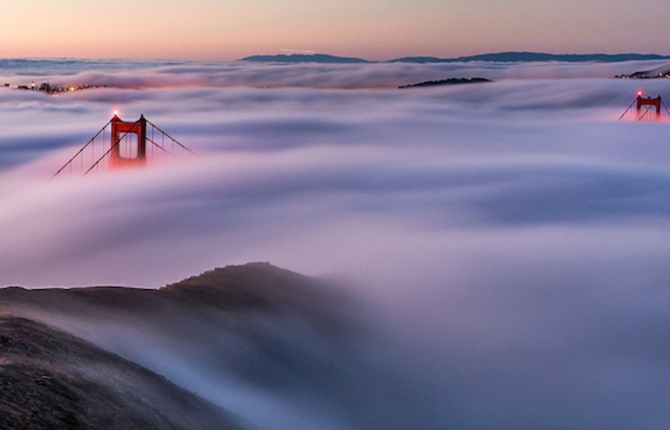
{"x": 645, "y": 108}
{"x": 122, "y": 144}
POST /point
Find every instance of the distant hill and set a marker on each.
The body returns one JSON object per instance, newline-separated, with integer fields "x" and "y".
{"x": 506, "y": 57}
{"x": 53, "y": 380}
{"x": 449, "y": 81}
{"x": 520, "y": 57}
{"x": 662, "y": 72}
{"x": 303, "y": 58}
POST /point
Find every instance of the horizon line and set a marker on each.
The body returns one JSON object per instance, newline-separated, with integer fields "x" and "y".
{"x": 315, "y": 54}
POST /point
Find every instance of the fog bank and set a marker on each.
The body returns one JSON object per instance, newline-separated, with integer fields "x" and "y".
{"x": 509, "y": 238}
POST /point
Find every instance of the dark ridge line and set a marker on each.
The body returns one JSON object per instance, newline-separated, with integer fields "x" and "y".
{"x": 448, "y": 81}
{"x": 505, "y": 57}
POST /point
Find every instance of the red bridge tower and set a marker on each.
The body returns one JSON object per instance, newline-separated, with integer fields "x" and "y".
{"x": 129, "y": 143}
{"x": 641, "y": 101}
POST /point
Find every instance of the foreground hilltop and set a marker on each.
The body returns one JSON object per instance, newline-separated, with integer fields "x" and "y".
{"x": 263, "y": 327}
{"x": 253, "y": 287}
{"x": 52, "y": 380}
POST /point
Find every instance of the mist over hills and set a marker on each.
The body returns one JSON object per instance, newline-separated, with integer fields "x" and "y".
{"x": 658, "y": 72}
{"x": 238, "y": 336}
{"x": 506, "y": 57}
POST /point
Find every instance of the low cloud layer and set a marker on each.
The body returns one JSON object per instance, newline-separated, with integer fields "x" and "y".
{"x": 165, "y": 74}
{"x": 510, "y": 237}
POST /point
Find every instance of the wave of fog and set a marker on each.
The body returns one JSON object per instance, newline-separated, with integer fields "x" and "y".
{"x": 146, "y": 75}
{"x": 509, "y": 237}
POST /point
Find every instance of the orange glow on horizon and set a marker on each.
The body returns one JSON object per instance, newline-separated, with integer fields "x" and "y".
{"x": 208, "y": 30}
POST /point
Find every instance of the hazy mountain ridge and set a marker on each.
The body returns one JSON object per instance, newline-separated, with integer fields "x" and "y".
{"x": 303, "y": 58}
{"x": 505, "y": 57}
{"x": 522, "y": 57}
{"x": 253, "y": 287}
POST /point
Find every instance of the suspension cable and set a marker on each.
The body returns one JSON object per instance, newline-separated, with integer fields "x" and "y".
{"x": 169, "y": 137}
{"x": 158, "y": 146}
{"x": 82, "y": 149}
{"x": 645, "y": 113}
{"x": 627, "y": 109}
{"x": 665, "y": 107}
{"x": 110, "y": 149}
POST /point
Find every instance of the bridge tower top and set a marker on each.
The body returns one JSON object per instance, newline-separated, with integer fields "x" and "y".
{"x": 645, "y": 106}
{"x": 128, "y": 143}
{"x": 652, "y": 103}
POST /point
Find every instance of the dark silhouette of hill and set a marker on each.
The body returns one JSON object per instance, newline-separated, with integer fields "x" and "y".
{"x": 53, "y": 380}
{"x": 246, "y": 288}
{"x": 506, "y": 57}
{"x": 303, "y": 58}
{"x": 449, "y": 81}
{"x": 662, "y": 72}
{"x": 519, "y": 57}
{"x": 268, "y": 328}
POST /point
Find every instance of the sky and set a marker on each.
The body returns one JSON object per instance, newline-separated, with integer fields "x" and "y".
{"x": 508, "y": 239}
{"x": 215, "y": 30}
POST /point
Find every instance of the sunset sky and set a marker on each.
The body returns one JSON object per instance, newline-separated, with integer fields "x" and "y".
{"x": 374, "y": 29}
